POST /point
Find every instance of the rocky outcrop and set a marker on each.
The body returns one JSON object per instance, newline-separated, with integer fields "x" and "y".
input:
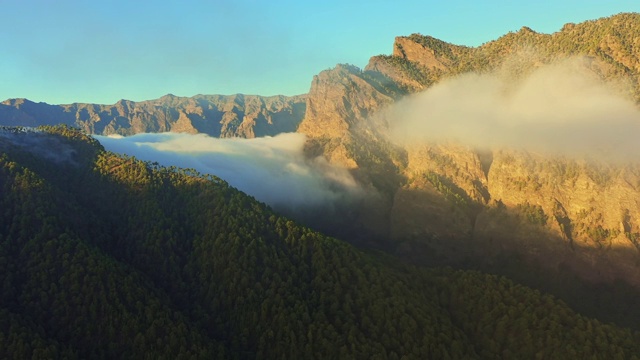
{"x": 238, "y": 115}
{"x": 340, "y": 105}
{"x": 428, "y": 52}
{"x": 559, "y": 212}
{"x": 449, "y": 202}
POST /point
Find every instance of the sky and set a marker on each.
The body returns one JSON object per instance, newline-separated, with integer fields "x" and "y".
{"x": 65, "y": 51}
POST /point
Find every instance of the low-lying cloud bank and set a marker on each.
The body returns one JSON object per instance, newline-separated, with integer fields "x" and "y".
{"x": 558, "y": 109}
{"x": 272, "y": 169}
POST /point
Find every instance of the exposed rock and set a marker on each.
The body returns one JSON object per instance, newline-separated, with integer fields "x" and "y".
{"x": 457, "y": 202}
{"x": 238, "y": 115}
{"x": 381, "y": 65}
{"x": 339, "y": 106}
{"x": 429, "y": 52}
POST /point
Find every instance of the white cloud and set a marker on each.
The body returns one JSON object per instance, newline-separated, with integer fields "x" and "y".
{"x": 562, "y": 108}
{"x": 272, "y": 169}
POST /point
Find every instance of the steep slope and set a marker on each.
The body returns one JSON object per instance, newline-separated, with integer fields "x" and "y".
{"x": 103, "y": 256}
{"x": 238, "y": 115}
{"x": 419, "y": 61}
{"x": 585, "y": 209}
{"x": 341, "y": 126}
{"x": 450, "y": 203}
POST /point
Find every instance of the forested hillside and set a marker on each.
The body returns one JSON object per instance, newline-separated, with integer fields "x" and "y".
{"x": 103, "y": 256}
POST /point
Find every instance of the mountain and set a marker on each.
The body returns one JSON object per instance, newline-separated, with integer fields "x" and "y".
{"x": 238, "y": 115}
{"x": 562, "y": 223}
{"x": 570, "y": 220}
{"x": 103, "y": 256}
{"x": 451, "y": 191}
{"x": 342, "y": 101}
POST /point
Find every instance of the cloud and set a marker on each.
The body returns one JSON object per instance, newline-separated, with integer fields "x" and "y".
{"x": 41, "y": 144}
{"x": 560, "y": 109}
{"x": 272, "y": 169}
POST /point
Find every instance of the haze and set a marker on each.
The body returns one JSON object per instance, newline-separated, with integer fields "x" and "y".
{"x": 558, "y": 109}
{"x": 272, "y": 169}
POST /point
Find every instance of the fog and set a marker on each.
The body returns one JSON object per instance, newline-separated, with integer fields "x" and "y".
{"x": 37, "y": 143}
{"x": 274, "y": 170}
{"x": 558, "y": 109}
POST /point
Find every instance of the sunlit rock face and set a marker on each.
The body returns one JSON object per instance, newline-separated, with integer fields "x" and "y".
{"x": 524, "y": 145}
{"x": 245, "y": 116}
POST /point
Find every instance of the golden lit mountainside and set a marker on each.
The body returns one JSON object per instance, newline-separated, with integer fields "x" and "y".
{"x": 419, "y": 61}
{"x": 238, "y": 115}
{"x": 524, "y": 145}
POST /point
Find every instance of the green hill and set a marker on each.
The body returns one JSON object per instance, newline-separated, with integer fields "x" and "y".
{"x": 103, "y": 256}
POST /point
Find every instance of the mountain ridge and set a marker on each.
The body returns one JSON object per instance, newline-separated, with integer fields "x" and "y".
{"x": 236, "y": 115}
{"x": 452, "y": 203}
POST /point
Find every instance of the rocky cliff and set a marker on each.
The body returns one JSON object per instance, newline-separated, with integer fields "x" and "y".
{"x": 238, "y": 115}
{"x": 450, "y": 202}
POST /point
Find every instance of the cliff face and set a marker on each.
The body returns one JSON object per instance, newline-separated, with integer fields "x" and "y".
{"x": 428, "y": 52}
{"x": 340, "y": 105}
{"x": 591, "y": 209}
{"x": 557, "y": 212}
{"x": 450, "y": 202}
{"x": 238, "y": 115}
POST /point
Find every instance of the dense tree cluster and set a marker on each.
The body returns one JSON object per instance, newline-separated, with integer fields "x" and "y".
{"x": 112, "y": 257}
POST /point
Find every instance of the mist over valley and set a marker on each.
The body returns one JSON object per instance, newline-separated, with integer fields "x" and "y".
{"x": 441, "y": 202}
{"x": 274, "y": 170}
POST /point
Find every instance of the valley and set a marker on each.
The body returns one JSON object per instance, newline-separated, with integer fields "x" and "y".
{"x": 507, "y": 171}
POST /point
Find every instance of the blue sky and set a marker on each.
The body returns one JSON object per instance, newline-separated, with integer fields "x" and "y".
{"x": 101, "y": 51}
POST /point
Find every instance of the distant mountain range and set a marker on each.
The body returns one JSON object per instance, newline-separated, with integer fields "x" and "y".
{"x": 217, "y": 115}
{"x": 514, "y": 212}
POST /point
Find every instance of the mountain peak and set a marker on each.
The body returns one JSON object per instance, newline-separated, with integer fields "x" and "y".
{"x": 427, "y": 51}
{"x": 526, "y": 29}
{"x": 17, "y": 102}
{"x": 169, "y": 96}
